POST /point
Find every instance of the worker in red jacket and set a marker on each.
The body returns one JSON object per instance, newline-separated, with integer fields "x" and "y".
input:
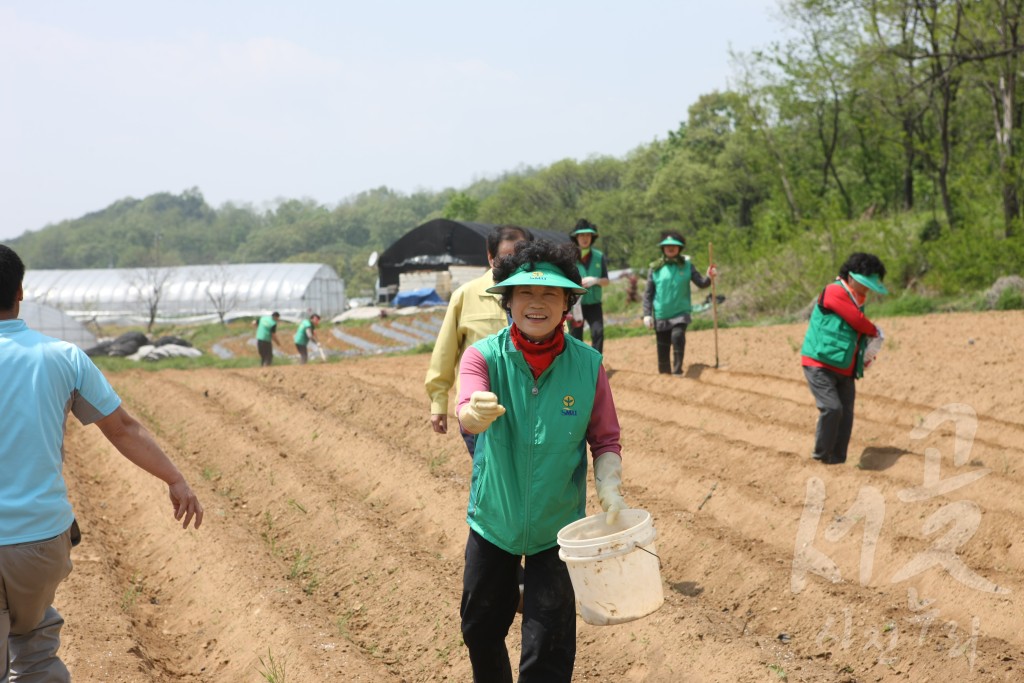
{"x": 833, "y": 351}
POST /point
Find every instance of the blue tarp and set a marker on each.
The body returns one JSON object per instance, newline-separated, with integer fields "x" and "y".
{"x": 424, "y": 296}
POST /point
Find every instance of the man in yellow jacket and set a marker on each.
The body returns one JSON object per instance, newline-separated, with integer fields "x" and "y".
{"x": 472, "y": 315}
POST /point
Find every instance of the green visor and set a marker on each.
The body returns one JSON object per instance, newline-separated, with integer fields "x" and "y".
{"x": 872, "y": 282}
{"x": 583, "y": 231}
{"x": 671, "y": 242}
{"x": 542, "y": 274}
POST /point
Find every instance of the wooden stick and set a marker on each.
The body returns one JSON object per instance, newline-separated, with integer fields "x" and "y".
{"x": 714, "y": 301}
{"x": 708, "y": 497}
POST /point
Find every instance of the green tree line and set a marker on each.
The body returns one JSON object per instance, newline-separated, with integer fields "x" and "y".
{"x": 891, "y": 126}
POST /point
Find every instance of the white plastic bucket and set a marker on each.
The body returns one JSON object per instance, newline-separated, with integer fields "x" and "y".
{"x": 614, "y": 570}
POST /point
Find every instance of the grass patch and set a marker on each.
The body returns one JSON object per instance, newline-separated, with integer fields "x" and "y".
{"x": 908, "y": 304}
{"x": 302, "y": 572}
{"x": 207, "y": 360}
{"x": 437, "y": 462}
{"x": 1010, "y": 300}
{"x": 131, "y": 593}
{"x": 272, "y": 670}
{"x": 341, "y": 623}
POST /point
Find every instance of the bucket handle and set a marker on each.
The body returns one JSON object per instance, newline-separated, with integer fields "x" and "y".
{"x": 627, "y": 549}
{"x": 650, "y": 553}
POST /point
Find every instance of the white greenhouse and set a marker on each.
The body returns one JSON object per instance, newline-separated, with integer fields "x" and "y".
{"x": 56, "y": 323}
{"x": 190, "y": 293}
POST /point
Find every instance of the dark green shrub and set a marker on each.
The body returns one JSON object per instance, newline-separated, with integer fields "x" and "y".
{"x": 931, "y": 231}
{"x": 1010, "y": 299}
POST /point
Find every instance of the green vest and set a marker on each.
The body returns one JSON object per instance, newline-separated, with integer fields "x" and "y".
{"x": 265, "y": 328}
{"x": 593, "y": 295}
{"x": 302, "y": 335}
{"x": 831, "y": 340}
{"x": 672, "y": 290}
{"x": 530, "y": 467}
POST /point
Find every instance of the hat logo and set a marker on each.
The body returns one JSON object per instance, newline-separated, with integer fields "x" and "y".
{"x": 538, "y": 275}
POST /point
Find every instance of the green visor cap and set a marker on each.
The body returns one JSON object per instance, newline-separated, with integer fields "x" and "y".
{"x": 670, "y": 242}
{"x": 542, "y": 274}
{"x": 584, "y": 231}
{"x": 871, "y": 282}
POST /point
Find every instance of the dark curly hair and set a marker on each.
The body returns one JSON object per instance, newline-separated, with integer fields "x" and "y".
{"x": 862, "y": 264}
{"x": 583, "y": 224}
{"x": 561, "y": 255}
{"x": 12, "y": 272}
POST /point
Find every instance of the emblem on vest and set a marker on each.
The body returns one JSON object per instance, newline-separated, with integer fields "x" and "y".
{"x": 568, "y": 402}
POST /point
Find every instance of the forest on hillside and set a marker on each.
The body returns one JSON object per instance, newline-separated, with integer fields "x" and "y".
{"x": 891, "y": 126}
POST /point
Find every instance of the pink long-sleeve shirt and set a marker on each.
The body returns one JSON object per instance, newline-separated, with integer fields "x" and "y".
{"x": 603, "y": 431}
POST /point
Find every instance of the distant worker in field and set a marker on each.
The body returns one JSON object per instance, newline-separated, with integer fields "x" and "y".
{"x": 43, "y": 380}
{"x": 593, "y": 269}
{"x": 472, "y": 314}
{"x": 536, "y": 397}
{"x": 266, "y": 337}
{"x": 667, "y": 306}
{"x": 833, "y": 351}
{"x": 304, "y": 334}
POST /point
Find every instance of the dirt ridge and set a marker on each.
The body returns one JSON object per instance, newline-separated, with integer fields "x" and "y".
{"x": 336, "y": 521}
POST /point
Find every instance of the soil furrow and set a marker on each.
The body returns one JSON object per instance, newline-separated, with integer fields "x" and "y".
{"x": 336, "y": 521}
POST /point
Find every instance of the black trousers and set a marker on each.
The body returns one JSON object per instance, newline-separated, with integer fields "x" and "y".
{"x": 834, "y": 395}
{"x": 470, "y": 441}
{"x": 594, "y": 315}
{"x": 266, "y": 350}
{"x": 673, "y": 338}
{"x": 490, "y": 594}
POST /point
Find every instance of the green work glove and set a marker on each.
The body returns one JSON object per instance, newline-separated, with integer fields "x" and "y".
{"x": 608, "y": 477}
{"x": 483, "y": 409}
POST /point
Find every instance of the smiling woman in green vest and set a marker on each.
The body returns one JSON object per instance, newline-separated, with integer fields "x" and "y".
{"x": 593, "y": 269}
{"x": 536, "y": 397}
{"x": 667, "y": 306}
{"x": 833, "y": 351}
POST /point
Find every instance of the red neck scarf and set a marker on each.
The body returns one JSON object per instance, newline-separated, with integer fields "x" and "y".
{"x": 539, "y": 355}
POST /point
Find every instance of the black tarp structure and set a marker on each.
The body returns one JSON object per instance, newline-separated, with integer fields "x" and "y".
{"x": 440, "y": 243}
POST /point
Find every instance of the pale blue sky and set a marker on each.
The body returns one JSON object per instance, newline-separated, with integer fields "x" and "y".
{"x": 251, "y": 101}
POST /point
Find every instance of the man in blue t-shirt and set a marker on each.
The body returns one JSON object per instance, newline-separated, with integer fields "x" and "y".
{"x": 43, "y": 380}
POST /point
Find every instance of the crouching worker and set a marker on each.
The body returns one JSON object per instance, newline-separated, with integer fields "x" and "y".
{"x": 536, "y": 397}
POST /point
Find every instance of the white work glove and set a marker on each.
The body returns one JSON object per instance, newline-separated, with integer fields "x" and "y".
{"x": 608, "y": 478}
{"x": 483, "y": 409}
{"x": 649, "y": 322}
{"x": 590, "y": 281}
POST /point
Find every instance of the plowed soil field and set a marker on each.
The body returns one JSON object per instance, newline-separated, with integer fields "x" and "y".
{"x": 332, "y": 546}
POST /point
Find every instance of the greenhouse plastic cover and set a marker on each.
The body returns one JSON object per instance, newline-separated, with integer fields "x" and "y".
{"x": 190, "y": 293}
{"x": 55, "y": 323}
